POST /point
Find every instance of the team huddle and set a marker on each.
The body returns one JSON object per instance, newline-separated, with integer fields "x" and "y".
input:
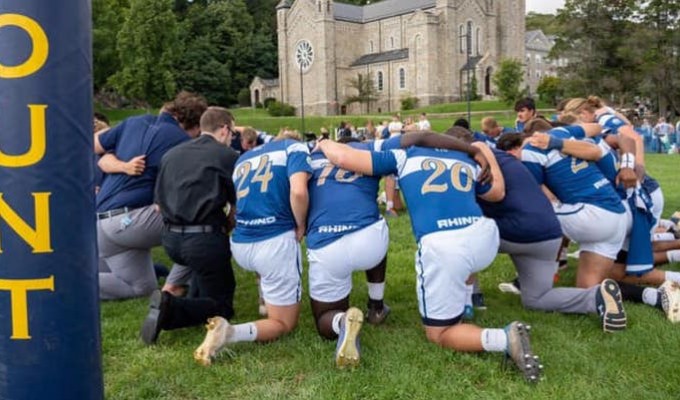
{"x": 526, "y": 193}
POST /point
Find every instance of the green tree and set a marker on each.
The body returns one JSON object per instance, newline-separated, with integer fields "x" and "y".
{"x": 366, "y": 92}
{"x": 508, "y": 79}
{"x": 545, "y": 22}
{"x": 147, "y": 47}
{"x": 107, "y": 19}
{"x": 550, "y": 89}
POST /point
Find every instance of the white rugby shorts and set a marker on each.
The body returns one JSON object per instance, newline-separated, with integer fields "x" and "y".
{"x": 444, "y": 262}
{"x": 331, "y": 267}
{"x": 279, "y": 262}
{"x": 595, "y": 229}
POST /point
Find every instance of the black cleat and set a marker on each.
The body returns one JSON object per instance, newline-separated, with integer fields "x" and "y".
{"x": 610, "y": 306}
{"x": 158, "y": 307}
{"x": 519, "y": 351}
{"x": 376, "y": 315}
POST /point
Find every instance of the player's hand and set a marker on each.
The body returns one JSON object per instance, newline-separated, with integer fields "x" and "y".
{"x": 485, "y": 176}
{"x": 299, "y": 233}
{"x": 539, "y": 140}
{"x": 627, "y": 177}
{"x": 136, "y": 166}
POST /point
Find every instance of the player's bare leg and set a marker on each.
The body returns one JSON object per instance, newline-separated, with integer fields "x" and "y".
{"x": 377, "y": 310}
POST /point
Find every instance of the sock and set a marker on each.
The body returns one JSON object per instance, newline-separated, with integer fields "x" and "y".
{"x": 475, "y": 287}
{"x": 376, "y": 291}
{"x": 650, "y": 296}
{"x": 666, "y": 224}
{"x": 494, "y": 340}
{"x": 662, "y": 237}
{"x": 673, "y": 256}
{"x": 630, "y": 292}
{"x": 244, "y": 333}
{"x": 673, "y": 276}
{"x": 389, "y": 205}
{"x": 337, "y": 318}
{"x": 469, "y": 289}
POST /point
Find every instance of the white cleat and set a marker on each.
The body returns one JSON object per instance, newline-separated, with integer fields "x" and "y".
{"x": 219, "y": 331}
{"x": 670, "y": 300}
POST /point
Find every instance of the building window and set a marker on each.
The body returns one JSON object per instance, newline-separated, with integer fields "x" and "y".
{"x": 370, "y": 46}
{"x": 478, "y": 40}
{"x": 391, "y": 42}
{"x": 318, "y": 3}
{"x": 461, "y": 38}
{"x": 538, "y": 59}
{"x": 402, "y": 78}
{"x": 380, "y": 81}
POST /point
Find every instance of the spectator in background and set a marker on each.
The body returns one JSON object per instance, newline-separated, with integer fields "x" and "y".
{"x": 370, "y": 130}
{"x": 383, "y": 130}
{"x": 663, "y": 130}
{"x": 646, "y": 131}
{"x": 410, "y": 125}
{"x": 423, "y": 123}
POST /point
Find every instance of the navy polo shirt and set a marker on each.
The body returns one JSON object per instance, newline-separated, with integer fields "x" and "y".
{"x": 525, "y": 215}
{"x": 145, "y": 134}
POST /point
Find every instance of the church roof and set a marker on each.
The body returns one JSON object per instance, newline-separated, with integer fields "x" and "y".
{"x": 284, "y": 4}
{"x": 379, "y": 10}
{"x": 385, "y": 56}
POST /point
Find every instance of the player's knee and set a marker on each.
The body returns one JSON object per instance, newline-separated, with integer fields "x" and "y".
{"x": 434, "y": 335}
{"x": 144, "y": 288}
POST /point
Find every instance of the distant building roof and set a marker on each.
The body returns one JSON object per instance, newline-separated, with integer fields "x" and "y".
{"x": 379, "y": 10}
{"x": 385, "y": 56}
{"x": 536, "y": 40}
{"x": 284, "y": 4}
{"x": 266, "y": 82}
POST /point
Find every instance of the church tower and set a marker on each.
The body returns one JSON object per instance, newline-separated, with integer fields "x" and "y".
{"x": 282, "y": 37}
{"x": 511, "y": 23}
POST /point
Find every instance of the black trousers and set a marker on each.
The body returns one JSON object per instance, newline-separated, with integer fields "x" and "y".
{"x": 209, "y": 256}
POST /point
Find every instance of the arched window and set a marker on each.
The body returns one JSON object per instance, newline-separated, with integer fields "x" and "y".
{"x": 318, "y": 3}
{"x": 478, "y": 41}
{"x": 402, "y": 78}
{"x": 461, "y": 38}
{"x": 370, "y": 46}
{"x": 379, "y": 78}
{"x": 391, "y": 42}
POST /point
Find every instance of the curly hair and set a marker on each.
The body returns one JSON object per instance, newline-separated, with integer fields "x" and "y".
{"x": 187, "y": 108}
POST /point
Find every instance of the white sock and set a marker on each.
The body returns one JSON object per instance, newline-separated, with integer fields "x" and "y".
{"x": 666, "y": 223}
{"x": 494, "y": 340}
{"x": 650, "y": 296}
{"x": 376, "y": 291}
{"x": 244, "y": 333}
{"x": 389, "y": 205}
{"x": 673, "y": 276}
{"x": 662, "y": 237}
{"x": 673, "y": 256}
{"x": 336, "y": 322}
{"x": 469, "y": 289}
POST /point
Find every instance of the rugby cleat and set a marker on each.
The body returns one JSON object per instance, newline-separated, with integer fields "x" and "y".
{"x": 519, "y": 351}
{"x": 219, "y": 331}
{"x": 610, "y": 306}
{"x": 376, "y": 316}
{"x": 510, "y": 287}
{"x": 478, "y": 301}
{"x": 347, "y": 352}
{"x": 159, "y": 303}
{"x": 670, "y": 300}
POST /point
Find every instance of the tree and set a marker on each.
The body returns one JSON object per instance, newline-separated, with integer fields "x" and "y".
{"x": 545, "y": 22}
{"x": 147, "y": 47}
{"x": 508, "y": 79}
{"x": 550, "y": 89}
{"x": 107, "y": 19}
{"x": 366, "y": 91}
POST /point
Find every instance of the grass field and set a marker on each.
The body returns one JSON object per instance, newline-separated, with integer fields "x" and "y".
{"x": 397, "y": 361}
{"x": 441, "y": 116}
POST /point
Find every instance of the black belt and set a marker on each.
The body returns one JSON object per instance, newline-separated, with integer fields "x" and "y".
{"x": 196, "y": 228}
{"x": 113, "y": 213}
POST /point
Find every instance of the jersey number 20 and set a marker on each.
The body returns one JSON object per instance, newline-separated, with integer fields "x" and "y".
{"x": 438, "y": 168}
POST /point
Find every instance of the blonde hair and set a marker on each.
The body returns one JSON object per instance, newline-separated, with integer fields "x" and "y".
{"x": 489, "y": 123}
{"x": 568, "y": 117}
{"x": 286, "y": 133}
{"x": 591, "y": 104}
{"x": 537, "y": 124}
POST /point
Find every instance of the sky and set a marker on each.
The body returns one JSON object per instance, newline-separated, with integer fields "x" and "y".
{"x": 544, "y": 6}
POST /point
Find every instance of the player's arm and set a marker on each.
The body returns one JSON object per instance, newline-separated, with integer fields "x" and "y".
{"x": 497, "y": 191}
{"x": 347, "y": 157}
{"x": 299, "y": 201}
{"x": 98, "y": 148}
{"x": 591, "y": 129}
{"x": 110, "y": 164}
{"x": 632, "y": 160}
{"x": 435, "y": 140}
{"x": 576, "y": 148}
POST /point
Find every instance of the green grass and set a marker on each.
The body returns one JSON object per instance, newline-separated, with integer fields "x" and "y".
{"x": 397, "y": 361}
{"x": 441, "y": 116}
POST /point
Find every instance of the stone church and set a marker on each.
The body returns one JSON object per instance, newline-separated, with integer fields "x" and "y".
{"x": 408, "y": 48}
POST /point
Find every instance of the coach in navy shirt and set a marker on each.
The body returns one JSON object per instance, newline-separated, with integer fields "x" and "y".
{"x": 128, "y": 225}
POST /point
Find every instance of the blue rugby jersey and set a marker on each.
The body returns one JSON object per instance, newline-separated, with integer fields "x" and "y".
{"x": 439, "y": 187}
{"x": 571, "y": 179}
{"x": 340, "y": 202}
{"x": 261, "y": 177}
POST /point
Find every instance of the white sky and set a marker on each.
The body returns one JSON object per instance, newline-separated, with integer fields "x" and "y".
{"x": 544, "y": 6}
